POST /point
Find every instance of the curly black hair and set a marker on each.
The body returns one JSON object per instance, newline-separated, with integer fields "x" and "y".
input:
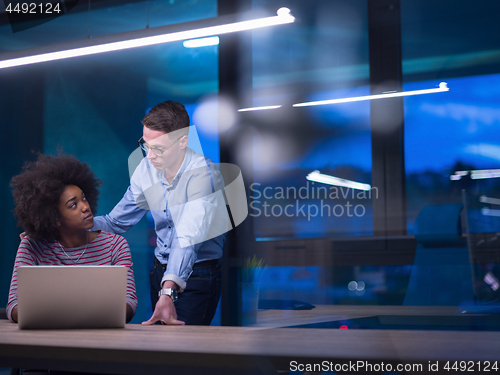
{"x": 39, "y": 186}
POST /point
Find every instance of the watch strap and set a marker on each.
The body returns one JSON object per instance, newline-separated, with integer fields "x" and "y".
{"x": 171, "y": 292}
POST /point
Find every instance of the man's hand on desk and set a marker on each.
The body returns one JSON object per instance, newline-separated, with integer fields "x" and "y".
{"x": 164, "y": 313}
{"x": 165, "y": 309}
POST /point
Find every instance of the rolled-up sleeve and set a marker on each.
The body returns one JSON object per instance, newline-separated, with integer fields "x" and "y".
{"x": 127, "y": 212}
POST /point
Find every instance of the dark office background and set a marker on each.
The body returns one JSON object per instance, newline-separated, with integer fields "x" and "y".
{"x": 92, "y": 107}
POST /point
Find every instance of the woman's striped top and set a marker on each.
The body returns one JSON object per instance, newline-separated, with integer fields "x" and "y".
{"x": 105, "y": 249}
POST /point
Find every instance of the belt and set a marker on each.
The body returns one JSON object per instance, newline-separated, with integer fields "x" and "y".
{"x": 211, "y": 262}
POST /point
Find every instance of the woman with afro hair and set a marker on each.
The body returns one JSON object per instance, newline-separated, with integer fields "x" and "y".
{"x": 55, "y": 200}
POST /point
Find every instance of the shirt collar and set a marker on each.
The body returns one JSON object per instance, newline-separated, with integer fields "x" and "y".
{"x": 185, "y": 163}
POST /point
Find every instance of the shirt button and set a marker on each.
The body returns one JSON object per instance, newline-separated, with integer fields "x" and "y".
{"x": 169, "y": 227}
{"x": 165, "y": 246}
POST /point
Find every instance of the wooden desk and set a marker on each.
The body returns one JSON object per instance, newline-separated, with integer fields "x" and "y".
{"x": 228, "y": 350}
{"x": 327, "y": 313}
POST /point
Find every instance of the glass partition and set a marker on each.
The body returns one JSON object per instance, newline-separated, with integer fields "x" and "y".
{"x": 451, "y": 149}
{"x": 452, "y": 132}
{"x": 323, "y": 55}
{"x": 312, "y": 246}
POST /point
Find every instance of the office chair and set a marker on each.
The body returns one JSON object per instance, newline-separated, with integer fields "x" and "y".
{"x": 441, "y": 273}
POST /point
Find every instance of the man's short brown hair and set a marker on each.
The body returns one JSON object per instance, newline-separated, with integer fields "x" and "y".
{"x": 167, "y": 117}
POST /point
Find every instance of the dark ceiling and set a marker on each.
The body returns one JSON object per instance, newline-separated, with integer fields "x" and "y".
{"x": 327, "y": 45}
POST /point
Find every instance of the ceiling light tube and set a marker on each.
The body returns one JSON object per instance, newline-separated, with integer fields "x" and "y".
{"x": 458, "y": 175}
{"x": 316, "y": 176}
{"x": 485, "y": 173}
{"x": 490, "y": 212}
{"x": 259, "y": 108}
{"x": 202, "y": 42}
{"x": 476, "y": 174}
{"x": 485, "y": 199}
{"x": 442, "y": 88}
{"x": 140, "y": 38}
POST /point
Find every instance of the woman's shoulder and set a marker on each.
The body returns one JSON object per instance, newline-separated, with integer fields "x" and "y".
{"x": 105, "y": 236}
{"x": 28, "y": 242}
{"x": 29, "y": 248}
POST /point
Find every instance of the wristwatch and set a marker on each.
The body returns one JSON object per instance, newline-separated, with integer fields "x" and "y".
{"x": 171, "y": 292}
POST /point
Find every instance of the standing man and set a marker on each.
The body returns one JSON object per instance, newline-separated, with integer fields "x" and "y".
{"x": 184, "y": 192}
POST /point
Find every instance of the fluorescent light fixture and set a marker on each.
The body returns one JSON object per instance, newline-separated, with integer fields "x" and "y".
{"x": 458, "y": 175}
{"x": 476, "y": 174}
{"x": 203, "y": 42}
{"x": 139, "y": 38}
{"x": 490, "y": 212}
{"x": 485, "y": 173}
{"x": 331, "y": 180}
{"x": 442, "y": 88}
{"x": 485, "y": 199}
{"x": 259, "y": 108}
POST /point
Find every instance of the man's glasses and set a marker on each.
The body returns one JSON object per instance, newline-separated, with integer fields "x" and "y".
{"x": 158, "y": 151}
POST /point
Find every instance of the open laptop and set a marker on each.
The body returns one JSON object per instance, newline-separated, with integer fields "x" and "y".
{"x": 71, "y": 296}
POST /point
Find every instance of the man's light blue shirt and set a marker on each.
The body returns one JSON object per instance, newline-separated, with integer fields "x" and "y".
{"x": 189, "y": 213}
